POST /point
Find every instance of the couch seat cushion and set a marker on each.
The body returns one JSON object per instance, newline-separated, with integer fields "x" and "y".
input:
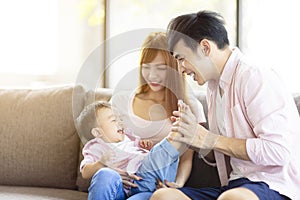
{"x": 35, "y": 193}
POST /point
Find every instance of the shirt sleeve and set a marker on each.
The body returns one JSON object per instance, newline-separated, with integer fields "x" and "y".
{"x": 129, "y": 133}
{"x": 197, "y": 108}
{"x": 91, "y": 152}
{"x": 267, "y": 104}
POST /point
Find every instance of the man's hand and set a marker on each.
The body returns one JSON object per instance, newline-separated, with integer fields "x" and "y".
{"x": 189, "y": 131}
{"x": 146, "y": 144}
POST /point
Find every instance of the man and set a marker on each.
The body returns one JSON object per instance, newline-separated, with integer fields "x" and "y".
{"x": 252, "y": 117}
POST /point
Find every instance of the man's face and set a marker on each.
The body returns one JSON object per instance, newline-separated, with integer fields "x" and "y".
{"x": 195, "y": 63}
{"x": 110, "y": 125}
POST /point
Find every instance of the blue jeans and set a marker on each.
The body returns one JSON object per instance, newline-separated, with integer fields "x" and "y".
{"x": 161, "y": 162}
{"x": 106, "y": 184}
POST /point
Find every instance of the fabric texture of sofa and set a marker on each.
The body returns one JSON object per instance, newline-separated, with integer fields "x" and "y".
{"x": 39, "y": 145}
{"x": 40, "y": 150}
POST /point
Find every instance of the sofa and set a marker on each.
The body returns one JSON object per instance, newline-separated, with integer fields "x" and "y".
{"x": 40, "y": 150}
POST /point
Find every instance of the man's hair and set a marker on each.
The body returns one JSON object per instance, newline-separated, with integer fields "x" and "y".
{"x": 87, "y": 120}
{"x": 194, "y": 27}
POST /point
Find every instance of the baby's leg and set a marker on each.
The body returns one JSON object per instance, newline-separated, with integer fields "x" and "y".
{"x": 181, "y": 147}
{"x": 161, "y": 162}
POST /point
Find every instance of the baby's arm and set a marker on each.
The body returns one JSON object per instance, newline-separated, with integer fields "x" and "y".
{"x": 90, "y": 169}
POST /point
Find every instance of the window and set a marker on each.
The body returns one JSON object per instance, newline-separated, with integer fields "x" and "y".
{"x": 133, "y": 20}
{"x": 45, "y": 42}
{"x": 270, "y": 37}
{"x": 25, "y": 35}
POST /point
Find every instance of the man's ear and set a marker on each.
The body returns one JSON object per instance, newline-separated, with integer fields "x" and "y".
{"x": 96, "y": 132}
{"x": 205, "y": 47}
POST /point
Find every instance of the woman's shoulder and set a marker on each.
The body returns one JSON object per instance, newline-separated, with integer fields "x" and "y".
{"x": 140, "y": 96}
{"x": 121, "y": 97}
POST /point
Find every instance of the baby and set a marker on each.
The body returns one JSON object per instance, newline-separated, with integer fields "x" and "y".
{"x": 110, "y": 145}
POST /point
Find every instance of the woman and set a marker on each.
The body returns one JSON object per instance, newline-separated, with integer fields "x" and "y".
{"x": 147, "y": 112}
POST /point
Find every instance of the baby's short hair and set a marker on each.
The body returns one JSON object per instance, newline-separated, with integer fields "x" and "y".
{"x": 87, "y": 120}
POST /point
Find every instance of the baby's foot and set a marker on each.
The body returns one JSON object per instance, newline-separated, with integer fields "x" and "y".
{"x": 172, "y": 135}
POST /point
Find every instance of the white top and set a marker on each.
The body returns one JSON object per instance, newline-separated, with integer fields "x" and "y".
{"x": 220, "y": 110}
{"x": 145, "y": 129}
{"x": 220, "y": 116}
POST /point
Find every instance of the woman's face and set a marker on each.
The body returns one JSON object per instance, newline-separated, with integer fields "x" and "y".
{"x": 155, "y": 73}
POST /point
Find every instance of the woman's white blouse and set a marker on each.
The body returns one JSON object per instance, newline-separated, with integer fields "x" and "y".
{"x": 145, "y": 129}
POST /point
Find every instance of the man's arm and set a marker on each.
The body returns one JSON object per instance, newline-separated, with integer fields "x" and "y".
{"x": 232, "y": 147}
{"x": 199, "y": 137}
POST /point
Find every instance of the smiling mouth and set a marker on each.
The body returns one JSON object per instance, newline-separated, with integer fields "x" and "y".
{"x": 121, "y": 131}
{"x": 155, "y": 84}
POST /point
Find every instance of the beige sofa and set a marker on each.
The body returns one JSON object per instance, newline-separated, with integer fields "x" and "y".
{"x": 39, "y": 146}
{"x": 40, "y": 150}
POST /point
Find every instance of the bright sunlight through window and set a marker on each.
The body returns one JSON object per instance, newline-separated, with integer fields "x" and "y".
{"x": 28, "y": 37}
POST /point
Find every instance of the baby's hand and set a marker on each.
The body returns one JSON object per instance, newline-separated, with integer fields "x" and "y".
{"x": 146, "y": 144}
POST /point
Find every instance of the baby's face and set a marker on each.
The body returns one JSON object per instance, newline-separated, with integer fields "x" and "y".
{"x": 110, "y": 125}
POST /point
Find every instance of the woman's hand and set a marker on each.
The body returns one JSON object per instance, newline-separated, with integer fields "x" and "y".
{"x": 189, "y": 131}
{"x": 127, "y": 179}
{"x": 165, "y": 184}
{"x": 172, "y": 184}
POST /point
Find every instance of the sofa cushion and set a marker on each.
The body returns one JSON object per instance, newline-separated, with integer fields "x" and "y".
{"x": 39, "y": 144}
{"x": 35, "y": 193}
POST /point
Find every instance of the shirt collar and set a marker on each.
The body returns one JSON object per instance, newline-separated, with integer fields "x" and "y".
{"x": 229, "y": 68}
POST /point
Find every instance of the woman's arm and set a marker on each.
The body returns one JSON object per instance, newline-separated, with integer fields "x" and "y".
{"x": 184, "y": 168}
{"x": 183, "y": 171}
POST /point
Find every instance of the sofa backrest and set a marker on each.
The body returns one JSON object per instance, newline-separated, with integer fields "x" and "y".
{"x": 39, "y": 145}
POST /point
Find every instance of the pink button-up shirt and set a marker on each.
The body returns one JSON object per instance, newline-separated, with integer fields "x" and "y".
{"x": 260, "y": 109}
